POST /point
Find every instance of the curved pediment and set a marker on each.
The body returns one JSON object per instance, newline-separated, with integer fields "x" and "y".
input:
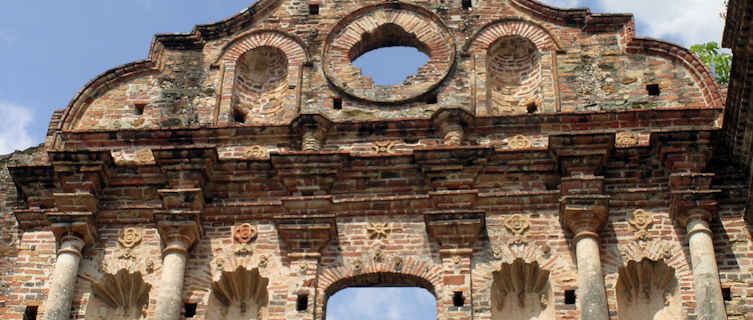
{"x": 579, "y": 62}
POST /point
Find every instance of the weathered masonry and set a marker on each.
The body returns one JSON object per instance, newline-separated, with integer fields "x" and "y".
{"x": 543, "y": 164}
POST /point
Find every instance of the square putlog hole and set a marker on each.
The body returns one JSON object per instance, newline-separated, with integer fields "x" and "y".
{"x": 570, "y": 297}
{"x": 189, "y": 310}
{"x": 313, "y": 9}
{"x": 653, "y": 89}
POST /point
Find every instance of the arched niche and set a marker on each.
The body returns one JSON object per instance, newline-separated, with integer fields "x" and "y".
{"x": 513, "y": 61}
{"x": 259, "y": 75}
{"x": 521, "y": 291}
{"x": 120, "y": 296}
{"x": 648, "y": 290}
{"x": 514, "y": 76}
{"x": 240, "y": 294}
{"x": 260, "y": 82}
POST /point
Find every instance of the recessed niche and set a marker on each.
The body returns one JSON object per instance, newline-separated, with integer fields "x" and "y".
{"x": 189, "y": 309}
{"x": 313, "y": 9}
{"x": 30, "y": 313}
{"x": 302, "y": 302}
{"x": 653, "y": 89}
{"x": 514, "y": 72}
{"x": 457, "y": 299}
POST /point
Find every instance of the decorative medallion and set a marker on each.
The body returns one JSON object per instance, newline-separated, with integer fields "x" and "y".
{"x": 519, "y": 142}
{"x": 456, "y": 260}
{"x": 517, "y": 224}
{"x": 498, "y": 252}
{"x": 130, "y": 237}
{"x": 357, "y": 266}
{"x": 379, "y": 230}
{"x": 243, "y": 236}
{"x": 244, "y": 233}
{"x": 263, "y": 261}
{"x": 546, "y": 251}
{"x": 257, "y": 153}
{"x": 641, "y": 221}
{"x": 378, "y": 255}
{"x": 382, "y": 25}
{"x": 626, "y": 139}
{"x": 398, "y": 264}
{"x": 382, "y": 147}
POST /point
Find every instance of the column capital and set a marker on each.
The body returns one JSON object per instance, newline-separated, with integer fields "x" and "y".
{"x": 313, "y": 130}
{"x": 584, "y": 215}
{"x": 178, "y": 232}
{"x": 695, "y": 219}
{"x": 73, "y": 230}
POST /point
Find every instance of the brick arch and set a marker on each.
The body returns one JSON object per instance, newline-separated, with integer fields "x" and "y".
{"x": 425, "y": 274}
{"x": 293, "y": 47}
{"x": 488, "y": 34}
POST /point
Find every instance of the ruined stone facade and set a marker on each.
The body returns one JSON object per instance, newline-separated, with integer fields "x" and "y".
{"x": 544, "y": 164}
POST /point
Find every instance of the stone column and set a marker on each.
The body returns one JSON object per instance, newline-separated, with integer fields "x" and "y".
{"x": 708, "y": 290}
{"x": 178, "y": 238}
{"x": 584, "y": 218}
{"x": 58, "y": 305}
{"x": 72, "y": 237}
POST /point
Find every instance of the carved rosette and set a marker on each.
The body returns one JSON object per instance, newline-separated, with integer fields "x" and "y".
{"x": 243, "y": 235}
{"x": 641, "y": 220}
{"x": 379, "y": 230}
{"x": 519, "y": 142}
{"x": 626, "y": 139}
{"x": 517, "y": 225}
{"x": 383, "y": 147}
{"x": 257, "y": 153}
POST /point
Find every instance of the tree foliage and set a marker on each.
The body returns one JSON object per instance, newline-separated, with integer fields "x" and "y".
{"x": 720, "y": 63}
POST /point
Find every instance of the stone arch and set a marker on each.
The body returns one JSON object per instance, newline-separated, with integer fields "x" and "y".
{"x": 120, "y": 296}
{"x": 241, "y": 293}
{"x": 514, "y": 66}
{"x": 648, "y": 289}
{"x": 521, "y": 290}
{"x": 261, "y": 72}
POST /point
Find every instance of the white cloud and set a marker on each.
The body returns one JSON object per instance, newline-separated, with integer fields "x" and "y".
{"x": 685, "y": 21}
{"x": 14, "y": 133}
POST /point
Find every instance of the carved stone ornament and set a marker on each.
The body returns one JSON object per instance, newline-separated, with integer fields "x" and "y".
{"x": 243, "y": 235}
{"x": 641, "y": 221}
{"x": 379, "y": 230}
{"x": 498, "y": 252}
{"x": 383, "y": 147}
{"x": 257, "y": 153}
{"x": 398, "y": 264}
{"x": 263, "y": 261}
{"x": 130, "y": 237}
{"x": 626, "y": 139}
{"x": 357, "y": 266}
{"x": 519, "y": 142}
{"x": 517, "y": 224}
{"x": 378, "y": 255}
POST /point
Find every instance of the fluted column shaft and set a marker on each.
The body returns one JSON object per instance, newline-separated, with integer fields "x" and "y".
{"x": 708, "y": 290}
{"x": 58, "y": 304}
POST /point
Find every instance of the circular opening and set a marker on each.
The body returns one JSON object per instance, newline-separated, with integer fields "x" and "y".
{"x": 392, "y": 65}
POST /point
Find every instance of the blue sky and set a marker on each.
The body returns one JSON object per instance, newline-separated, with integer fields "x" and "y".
{"x": 50, "y": 49}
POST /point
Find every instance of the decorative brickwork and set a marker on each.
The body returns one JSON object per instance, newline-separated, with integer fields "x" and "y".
{"x": 545, "y": 163}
